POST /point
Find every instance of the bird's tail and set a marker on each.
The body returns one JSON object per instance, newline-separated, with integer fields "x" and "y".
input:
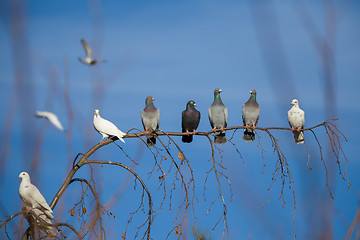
{"x": 48, "y": 214}
{"x": 299, "y": 137}
{"x": 151, "y": 141}
{"x": 48, "y": 229}
{"x": 121, "y": 135}
{"x": 187, "y": 138}
{"x": 249, "y": 135}
{"x": 220, "y": 137}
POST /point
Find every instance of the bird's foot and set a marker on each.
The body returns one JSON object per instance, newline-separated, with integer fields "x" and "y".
{"x": 292, "y": 129}
{"x": 101, "y": 142}
{"x": 187, "y": 131}
{"x": 247, "y": 126}
{"x": 298, "y": 129}
{"x": 222, "y": 128}
{"x": 214, "y": 129}
{"x": 253, "y": 127}
{"x": 194, "y": 131}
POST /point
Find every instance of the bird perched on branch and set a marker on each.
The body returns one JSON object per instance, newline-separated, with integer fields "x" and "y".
{"x": 31, "y": 196}
{"x": 250, "y": 116}
{"x": 296, "y": 118}
{"x": 218, "y": 116}
{"x": 106, "y": 128}
{"x": 33, "y": 201}
{"x": 51, "y": 117}
{"x": 150, "y": 118}
{"x": 88, "y": 59}
{"x": 190, "y": 120}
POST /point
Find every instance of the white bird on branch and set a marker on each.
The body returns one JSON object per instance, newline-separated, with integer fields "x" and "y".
{"x": 106, "y": 128}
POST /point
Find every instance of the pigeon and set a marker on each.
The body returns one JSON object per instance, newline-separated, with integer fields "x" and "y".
{"x": 150, "y": 117}
{"x": 106, "y": 128}
{"x": 218, "y": 116}
{"x": 190, "y": 121}
{"x": 296, "y": 118}
{"x": 88, "y": 59}
{"x": 31, "y": 196}
{"x": 250, "y": 116}
{"x": 51, "y": 117}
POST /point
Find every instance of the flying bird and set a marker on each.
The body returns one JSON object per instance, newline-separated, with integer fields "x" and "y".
{"x": 51, "y": 117}
{"x": 190, "y": 120}
{"x": 106, "y": 128}
{"x": 150, "y": 118}
{"x": 88, "y": 59}
{"x": 218, "y": 116}
{"x": 250, "y": 116}
{"x": 296, "y": 118}
{"x": 31, "y": 196}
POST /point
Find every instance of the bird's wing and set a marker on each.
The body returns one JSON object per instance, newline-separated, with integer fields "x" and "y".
{"x": 55, "y": 121}
{"x": 226, "y": 115}
{"x": 87, "y": 49}
{"x": 37, "y": 197}
{"x": 157, "y": 118}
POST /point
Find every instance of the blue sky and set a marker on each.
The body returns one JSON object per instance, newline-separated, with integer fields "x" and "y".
{"x": 177, "y": 51}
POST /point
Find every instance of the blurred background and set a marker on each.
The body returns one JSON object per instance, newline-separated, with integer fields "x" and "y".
{"x": 177, "y": 51}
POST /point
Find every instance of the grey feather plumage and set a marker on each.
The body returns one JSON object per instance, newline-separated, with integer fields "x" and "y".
{"x": 218, "y": 117}
{"x": 150, "y": 118}
{"x": 250, "y": 116}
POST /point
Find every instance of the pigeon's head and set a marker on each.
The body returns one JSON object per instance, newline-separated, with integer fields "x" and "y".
{"x": 24, "y": 175}
{"x": 217, "y": 91}
{"x": 294, "y": 102}
{"x": 149, "y": 99}
{"x": 253, "y": 92}
{"x": 97, "y": 112}
{"x": 190, "y": 103}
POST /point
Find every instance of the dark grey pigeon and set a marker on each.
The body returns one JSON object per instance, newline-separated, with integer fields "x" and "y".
{"x": 218, "y": 116}
{"x": 150, "y": 118}
{"x": 250, "y": 116}
{"x": 190, "y": 120}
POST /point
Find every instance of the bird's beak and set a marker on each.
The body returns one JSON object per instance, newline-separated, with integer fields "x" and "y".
{"x": 251, "y": 91}
{"x": 152, "y": 99}
{"x": 195, "y": 104}
{"x": 220, "y": 90}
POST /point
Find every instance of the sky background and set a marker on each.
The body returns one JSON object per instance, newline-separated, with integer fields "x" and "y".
{"x": 178, "y": 51}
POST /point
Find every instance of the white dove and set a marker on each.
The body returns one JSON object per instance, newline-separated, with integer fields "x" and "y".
{"x": 106, "y": 128}
{"x": 51, "y": 117}
{"x": 296, "y": 118}
{"x": 31, "y": 196}
{"x": 88, "y": 59}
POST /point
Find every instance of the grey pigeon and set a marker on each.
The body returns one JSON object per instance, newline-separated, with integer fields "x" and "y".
{"x": 88, "y": 60}
{"x": 218, "y": 116}
{"x": 150, "y": 118}
{"x": 31, "y": 196}
{"x": 106, "y": 128}
{"x": 190, "y": 120}
{"x": 296, "y": 118}
{"x": 51, "y": 117}
{"x": 250, "y": 116}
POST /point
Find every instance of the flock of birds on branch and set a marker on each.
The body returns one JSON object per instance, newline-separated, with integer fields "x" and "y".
{"x": 32, "y": 199}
